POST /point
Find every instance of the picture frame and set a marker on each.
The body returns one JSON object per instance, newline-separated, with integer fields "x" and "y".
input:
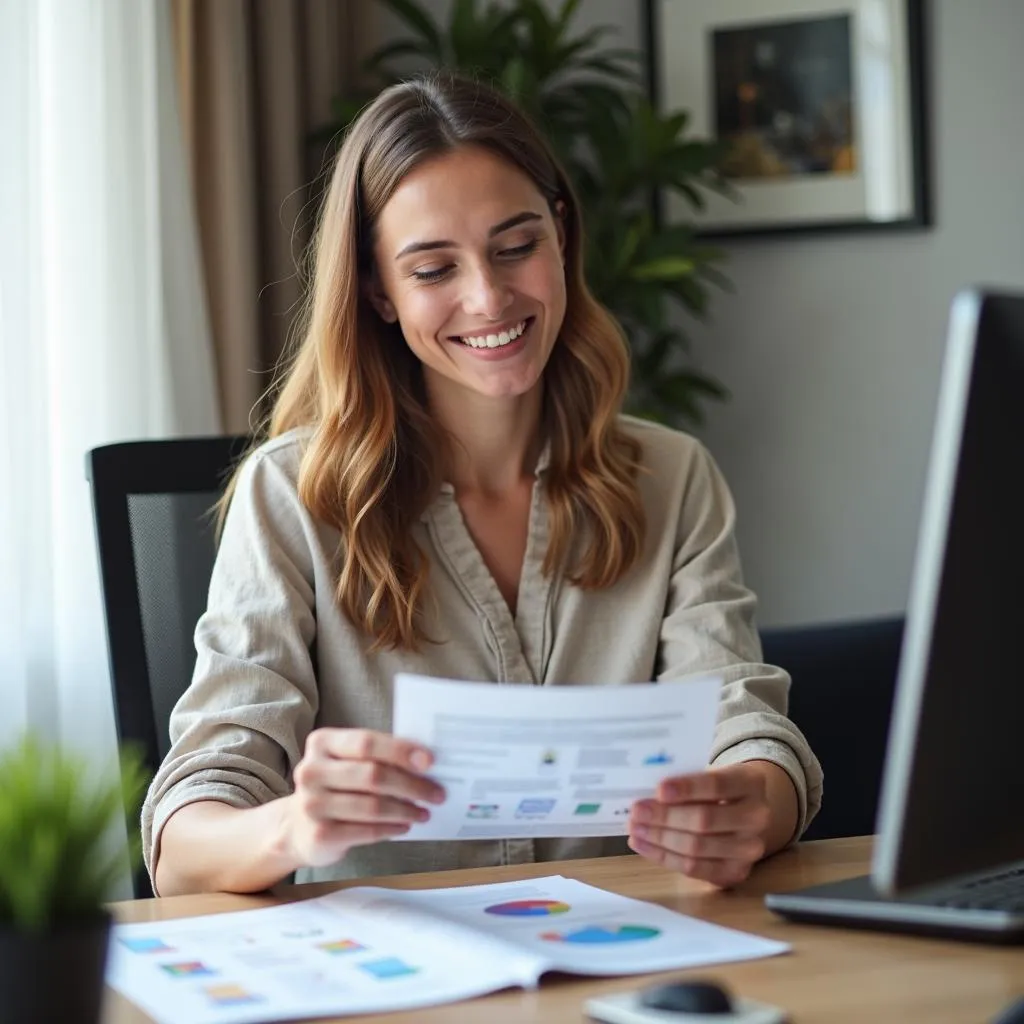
{"x": 820, "y": 106}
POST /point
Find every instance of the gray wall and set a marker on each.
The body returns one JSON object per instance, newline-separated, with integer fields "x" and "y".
{"x": 832, "y": 346}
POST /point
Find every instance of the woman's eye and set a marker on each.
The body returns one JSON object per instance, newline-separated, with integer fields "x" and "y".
{"x": 515, "y": 252}
{"x": 520, "y": 250}
{"x": 430, "y": 275}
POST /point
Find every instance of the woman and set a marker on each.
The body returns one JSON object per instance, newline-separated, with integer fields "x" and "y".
{"x": 449, "y": 489}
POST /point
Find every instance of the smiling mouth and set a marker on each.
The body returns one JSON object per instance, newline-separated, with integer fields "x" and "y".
{"x": 496, "y": 340}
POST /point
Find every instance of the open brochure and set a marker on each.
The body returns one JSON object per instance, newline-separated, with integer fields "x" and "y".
{"x": 551, "y": 761}
{"x": 371, "y": 949}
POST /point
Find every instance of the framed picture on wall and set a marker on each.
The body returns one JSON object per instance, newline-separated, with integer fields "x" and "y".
{"x": 819, "y": 106}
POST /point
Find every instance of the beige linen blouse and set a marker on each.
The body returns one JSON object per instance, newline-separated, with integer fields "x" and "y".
{"x": 277, "y": 658}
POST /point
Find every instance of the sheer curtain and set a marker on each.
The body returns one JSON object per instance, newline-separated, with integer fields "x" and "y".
{"x": 103, "y": 328}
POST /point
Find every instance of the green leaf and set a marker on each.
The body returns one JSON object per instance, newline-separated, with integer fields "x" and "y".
{"x": 565, "y": 15}
{"x": 418, "y": 20}
{"x": 669, "y": 268}
{"x": 657, "y": 349}
{"x": 714, "y": 276}
{"x": 513, "y": 78}
{"x": 57, "y": 861}
{"x": 567, "y": 53}
{"x": 690, "y": 294}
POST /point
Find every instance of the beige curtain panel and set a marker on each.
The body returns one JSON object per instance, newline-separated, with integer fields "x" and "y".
{"x": 256, "y": 78}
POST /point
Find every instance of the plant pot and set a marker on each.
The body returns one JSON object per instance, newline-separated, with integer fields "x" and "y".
{"x": 56, "y": 975}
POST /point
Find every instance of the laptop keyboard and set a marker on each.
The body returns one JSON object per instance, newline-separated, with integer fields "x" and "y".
{"x": 1003, "y": 891}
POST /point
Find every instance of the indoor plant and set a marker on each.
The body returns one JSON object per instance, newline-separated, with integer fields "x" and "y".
{"x": 620, "y": 153}
{"x": 57, "y": 865}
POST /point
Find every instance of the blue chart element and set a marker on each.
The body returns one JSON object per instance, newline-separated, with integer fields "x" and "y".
{"x": 528, "y": 908}
{"x": 593, "y": 935}
{"x": 659, "y": 758}
{"x": 390, "y": 967}
{"x": 147, "y": 944}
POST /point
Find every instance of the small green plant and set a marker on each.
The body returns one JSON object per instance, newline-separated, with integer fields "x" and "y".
{"x": 57, "y": 862}
{"x": 618, "y": 149}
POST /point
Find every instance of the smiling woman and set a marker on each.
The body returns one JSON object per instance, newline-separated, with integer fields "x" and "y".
{"x": 482, "y": 309}
{"x": 449, "y": 488}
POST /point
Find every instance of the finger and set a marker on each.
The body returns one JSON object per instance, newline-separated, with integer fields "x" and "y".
{"x": 370, "y": 745}
{"x": 723, "y": 873}
{"x": 316, "y": 772}
{"x": 735, "y": 782}
{"x": 746, "y": 817}
{"x": 748, "y": 849}
{"x": 377, "y": 778}
{"x": 360, "y": 808}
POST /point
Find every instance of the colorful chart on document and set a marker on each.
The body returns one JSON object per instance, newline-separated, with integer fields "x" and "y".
{"x": 528, "y": 908}
{"x": 595, "y": 935}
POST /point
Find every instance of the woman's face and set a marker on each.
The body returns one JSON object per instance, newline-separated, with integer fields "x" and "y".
{"x": 469, "y": 262}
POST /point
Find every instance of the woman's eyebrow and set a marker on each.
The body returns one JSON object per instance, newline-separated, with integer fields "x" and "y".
{"x": 510, "y": 222}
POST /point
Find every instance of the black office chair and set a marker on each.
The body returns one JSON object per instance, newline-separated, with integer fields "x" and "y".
{"x": 844, "y": 679}
{"x": 155, "y": 537}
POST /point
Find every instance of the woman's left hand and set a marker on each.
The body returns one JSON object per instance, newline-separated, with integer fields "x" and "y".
{"x": 714, "y": 825}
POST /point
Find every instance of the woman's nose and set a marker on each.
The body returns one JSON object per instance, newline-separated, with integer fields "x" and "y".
{"x": 488, "y": 295}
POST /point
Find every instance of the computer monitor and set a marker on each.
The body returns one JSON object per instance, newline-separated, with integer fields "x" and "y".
{"x": 951, "y": 813}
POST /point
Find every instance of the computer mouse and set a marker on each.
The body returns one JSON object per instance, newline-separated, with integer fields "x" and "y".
{"x": 703, "y": 997}
{"x": 696, "y": 1001}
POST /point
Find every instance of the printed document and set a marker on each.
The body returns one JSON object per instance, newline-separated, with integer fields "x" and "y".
{"x": 372, "y": 949}
{"x": 546, "y": 762}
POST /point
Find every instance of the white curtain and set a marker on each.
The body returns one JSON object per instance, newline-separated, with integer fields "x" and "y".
{"x": 103, "y": 328}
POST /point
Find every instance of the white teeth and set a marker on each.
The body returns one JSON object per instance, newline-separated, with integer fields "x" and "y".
{"x": 494, "y": 340}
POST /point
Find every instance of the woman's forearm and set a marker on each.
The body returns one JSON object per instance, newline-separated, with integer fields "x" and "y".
{"x": 210, "y": 846}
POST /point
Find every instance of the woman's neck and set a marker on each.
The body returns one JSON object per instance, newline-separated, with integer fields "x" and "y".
{"x": 496, "y": 442}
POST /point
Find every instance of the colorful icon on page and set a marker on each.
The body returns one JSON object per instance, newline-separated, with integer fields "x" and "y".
{"x": 601, "y": 935}
{"x": 533, "y": 807}
{"x": 231, "y": 995}
{"x": 340, "y": 946}
{"x": 483, "y": 811}
{"x": 528, "y": 908}
{"x": 587, "y": 808}
{"x": 388, "y": 968}
{"x": 189, "y": 969}
{"x": 146, "y": 944}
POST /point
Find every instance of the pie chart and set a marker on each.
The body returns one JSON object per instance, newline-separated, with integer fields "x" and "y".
{"x": 599, "y": 934}
{"x": 528, "y": 908}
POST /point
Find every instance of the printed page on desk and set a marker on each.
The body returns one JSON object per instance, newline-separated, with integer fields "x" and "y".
{"x": 371, "y": 949}
{"x": 356, "y": 951}
{"x": 581, "y": 929}
{"x": 551, "y": 761}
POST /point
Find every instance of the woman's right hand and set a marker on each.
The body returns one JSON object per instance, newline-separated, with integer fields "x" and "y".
{"x": 353, "y": 787}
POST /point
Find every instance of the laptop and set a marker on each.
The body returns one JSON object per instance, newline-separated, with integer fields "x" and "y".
{"x": 949, "y": 854}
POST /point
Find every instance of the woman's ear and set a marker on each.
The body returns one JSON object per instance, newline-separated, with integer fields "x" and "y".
{"x": 560, "y": 210}
{"x": 378, "y": 299}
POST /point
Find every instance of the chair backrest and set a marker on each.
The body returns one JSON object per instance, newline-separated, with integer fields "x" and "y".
{"x": 155, "y": 536}
{"x": 844, "y": 679}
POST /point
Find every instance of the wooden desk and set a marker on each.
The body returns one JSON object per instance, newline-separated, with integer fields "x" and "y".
{"x": 833, "y": 976}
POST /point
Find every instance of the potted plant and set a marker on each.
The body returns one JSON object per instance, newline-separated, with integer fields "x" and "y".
{"x": 58, "y": 861}
{"x": 620, "y": 152}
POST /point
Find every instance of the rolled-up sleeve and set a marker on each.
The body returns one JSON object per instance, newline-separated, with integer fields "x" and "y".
{"x": 709, "y": 627}
{"x": 238, "y": 731}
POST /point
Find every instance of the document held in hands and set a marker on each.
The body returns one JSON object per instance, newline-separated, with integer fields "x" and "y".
{"x": 546, "y": 762}
{"x": 371, "y": 949}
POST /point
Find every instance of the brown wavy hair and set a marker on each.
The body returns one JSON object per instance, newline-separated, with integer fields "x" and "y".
{"x": 374, "y": 460}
